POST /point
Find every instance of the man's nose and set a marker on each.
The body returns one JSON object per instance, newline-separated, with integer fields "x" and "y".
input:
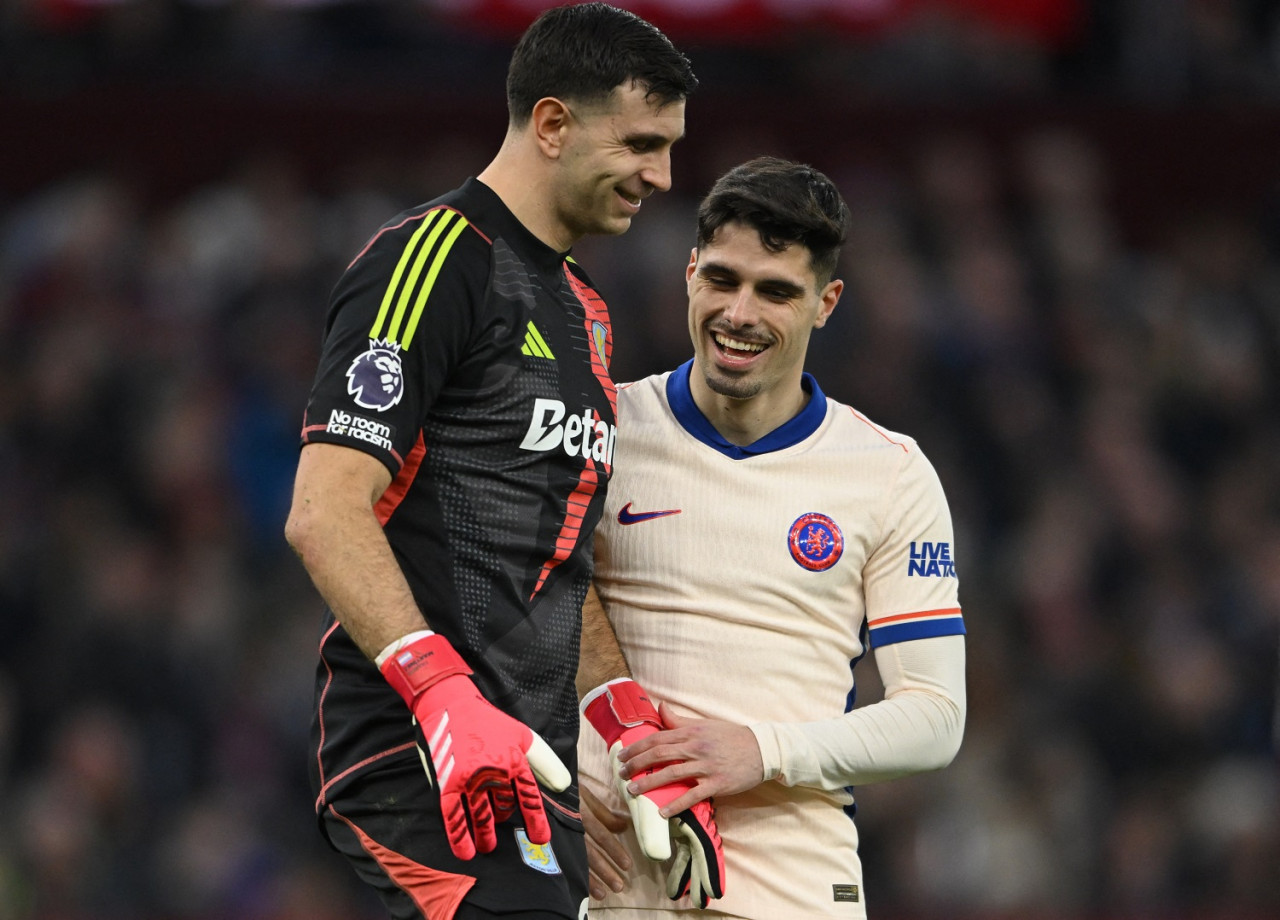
{"x": 658, "y": 172}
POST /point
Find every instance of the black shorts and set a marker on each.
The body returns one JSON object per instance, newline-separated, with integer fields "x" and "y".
{"x": 388, "y": 825}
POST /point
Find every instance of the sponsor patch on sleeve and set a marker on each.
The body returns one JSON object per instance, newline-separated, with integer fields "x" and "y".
{"x": 931, "y": 560}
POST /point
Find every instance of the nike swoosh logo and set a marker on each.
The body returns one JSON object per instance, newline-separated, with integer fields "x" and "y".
{"x": 627, "y": 516}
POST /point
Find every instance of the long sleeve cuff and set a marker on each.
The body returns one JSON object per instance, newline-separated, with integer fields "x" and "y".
{"x": 770, "y": 748}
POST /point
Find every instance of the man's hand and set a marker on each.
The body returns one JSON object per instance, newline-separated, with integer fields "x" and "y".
{"x": 486, "y": 764}
{"x": 607, "y": 858}
{"x": 698, "y": 868}
{"x": 708, "y": 757}
{"x": 623, "y": 715}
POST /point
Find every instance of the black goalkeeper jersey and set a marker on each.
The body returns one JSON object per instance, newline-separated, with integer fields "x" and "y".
{"x": 472, "y": 360}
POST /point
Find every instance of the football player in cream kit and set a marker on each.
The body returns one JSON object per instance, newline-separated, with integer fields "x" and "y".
{"x": 759, "y": 538}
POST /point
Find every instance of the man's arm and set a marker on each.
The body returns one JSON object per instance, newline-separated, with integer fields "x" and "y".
{"x": 600, "y": 659}
{"x": 916, "y": 727}
{"x": 620, "y": 710}
{"x": 494, "y": 768}
{"x": 333, "y": 529}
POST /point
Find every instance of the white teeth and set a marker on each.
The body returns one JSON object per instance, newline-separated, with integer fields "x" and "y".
{"x": 725, "y": 342}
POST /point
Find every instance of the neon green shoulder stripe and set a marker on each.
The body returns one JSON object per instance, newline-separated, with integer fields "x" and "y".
{"x": 436, "y": 264}
{"x": 394, "y": 284}
{"x": 411, "y": 283}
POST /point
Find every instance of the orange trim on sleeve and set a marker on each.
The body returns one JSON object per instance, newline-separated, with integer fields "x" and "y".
{"x": 918, "y": 615}
{"x": 399, "y": 487}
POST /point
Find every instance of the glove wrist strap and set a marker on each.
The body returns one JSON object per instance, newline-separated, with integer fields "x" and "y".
{"x": 622, "y": 705}
{"x": 400, "y": 643}
{"x": 422, "y": 663}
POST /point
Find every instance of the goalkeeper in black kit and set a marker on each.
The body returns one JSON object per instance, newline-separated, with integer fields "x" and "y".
{"x": 457, "y": 446}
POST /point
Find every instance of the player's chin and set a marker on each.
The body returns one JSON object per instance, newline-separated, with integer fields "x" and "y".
{"x": 732, "y": 385}
{"x": 619, "y": 224}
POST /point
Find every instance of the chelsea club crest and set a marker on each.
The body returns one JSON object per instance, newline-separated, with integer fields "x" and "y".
{"x": 815, "y": 541}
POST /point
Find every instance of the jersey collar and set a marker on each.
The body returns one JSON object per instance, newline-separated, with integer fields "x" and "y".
{"x": 496, "y": 214}
{"x": 793, "y": 431}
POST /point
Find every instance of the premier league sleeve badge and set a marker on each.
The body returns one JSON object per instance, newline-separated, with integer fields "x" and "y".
{"x": 376, "y": 377}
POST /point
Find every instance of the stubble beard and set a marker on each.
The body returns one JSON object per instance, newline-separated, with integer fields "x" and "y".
{"x": 743, "y": 388}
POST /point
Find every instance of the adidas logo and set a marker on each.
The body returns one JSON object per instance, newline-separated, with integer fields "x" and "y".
{"x": 535, "y": 345}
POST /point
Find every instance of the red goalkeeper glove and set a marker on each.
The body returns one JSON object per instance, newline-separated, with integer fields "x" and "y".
{"x": 622, "y": 713}
{"x": 486, "y": 764}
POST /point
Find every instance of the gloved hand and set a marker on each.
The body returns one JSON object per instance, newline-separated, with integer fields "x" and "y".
{"x": 623, "y": 713}
{"x": 485, "y": 763}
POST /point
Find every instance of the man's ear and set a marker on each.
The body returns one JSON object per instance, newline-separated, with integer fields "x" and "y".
{"x": 549, "y": 121}
{"x": 692, "y": 266}
{"x": 829, "y": 297}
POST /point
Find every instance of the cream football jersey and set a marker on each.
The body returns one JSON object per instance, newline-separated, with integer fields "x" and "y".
{"x": 744, "y": 584}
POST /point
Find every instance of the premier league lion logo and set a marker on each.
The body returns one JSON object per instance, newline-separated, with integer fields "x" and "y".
{"x": 375, "y": 378}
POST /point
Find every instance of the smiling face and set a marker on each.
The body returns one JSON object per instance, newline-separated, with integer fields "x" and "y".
{"x": 751, "y": 311}
{"x": 615, "y": 155}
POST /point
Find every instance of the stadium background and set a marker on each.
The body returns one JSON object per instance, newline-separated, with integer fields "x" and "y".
{"x": 1063, "y": 279}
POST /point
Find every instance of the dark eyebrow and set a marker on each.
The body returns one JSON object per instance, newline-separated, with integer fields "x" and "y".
{"x": 776, "y": 285}
{"x": 706, "y": 267}
{"x": 651, "y": 138}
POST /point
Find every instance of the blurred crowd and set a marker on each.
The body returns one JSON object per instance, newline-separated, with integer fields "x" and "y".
{"x": 1103, "y": 408}
{"x": 1162, "y": 50}
{"x": 1105, "y": 421}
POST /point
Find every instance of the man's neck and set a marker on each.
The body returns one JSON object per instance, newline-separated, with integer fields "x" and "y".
{"x": 523, "y": 190}
{"x": 745, "y": 421}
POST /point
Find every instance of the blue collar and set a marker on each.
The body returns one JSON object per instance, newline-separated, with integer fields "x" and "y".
{"x": 793, "y": 431}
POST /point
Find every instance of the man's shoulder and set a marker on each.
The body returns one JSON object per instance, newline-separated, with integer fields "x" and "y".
{"x": 642, "y": 384}
{"x": 641, "y": 404}
{"x": 433, "y": 230}
{"x": 856, "y": 426}
{"x": 644, "y": 390}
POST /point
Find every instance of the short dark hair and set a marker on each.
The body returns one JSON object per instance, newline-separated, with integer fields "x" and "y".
{"x": 786, "y": 203}
{"x": 583, "y": 51}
